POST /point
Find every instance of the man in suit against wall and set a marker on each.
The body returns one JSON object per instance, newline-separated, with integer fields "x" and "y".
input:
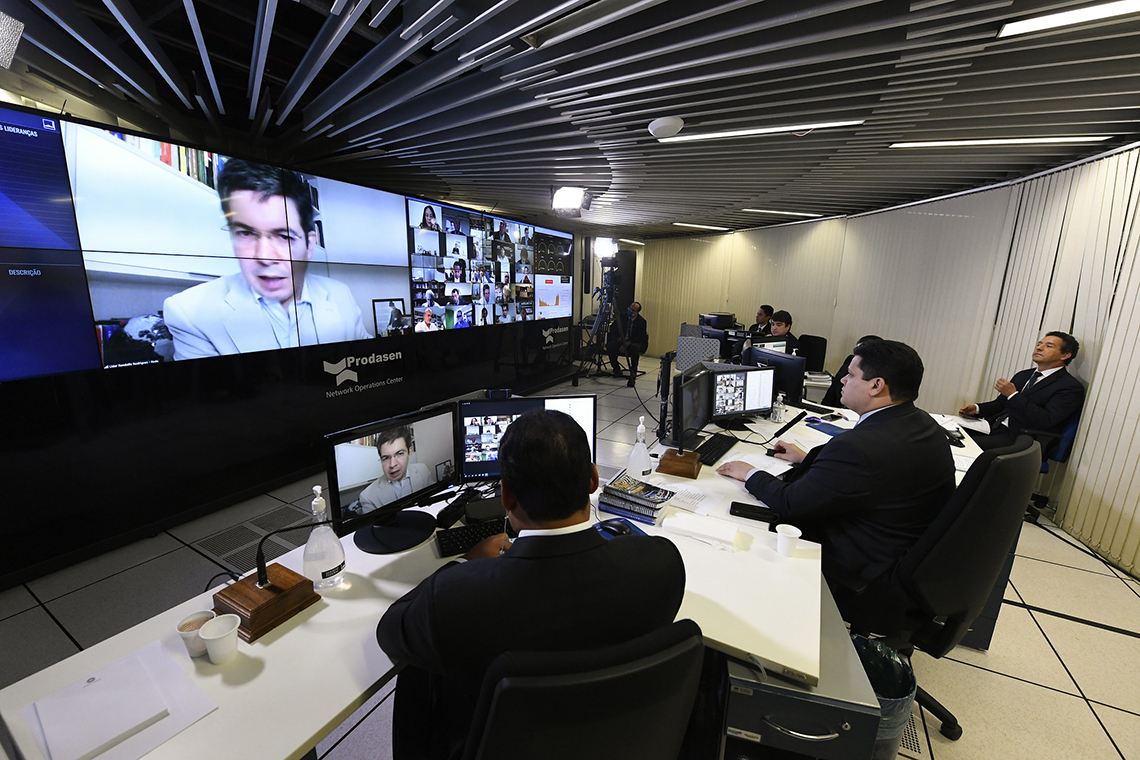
{"x": 272, "y": 303}
{"x": 559, "y": 586}
{"x": 629, "y": 337}
{"x": 763, "y": 325}
{"x": 1044, "y": 398}
{"x": 869, "y": 493}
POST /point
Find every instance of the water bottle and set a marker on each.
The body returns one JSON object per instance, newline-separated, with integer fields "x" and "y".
{"x": 324, "y": 556}
{"x": 640, "y": 463}
{"x": 778, "y": 408}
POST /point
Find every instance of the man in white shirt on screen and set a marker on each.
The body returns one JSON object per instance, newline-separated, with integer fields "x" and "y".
{"x": 401, "y": 477}
{"x": 426, "y": 325}
{"x": 272, "y": 303}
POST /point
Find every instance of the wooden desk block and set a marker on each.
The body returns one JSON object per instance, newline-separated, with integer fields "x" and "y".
{"x": 263, "y": 609}
{"x": 687, "y": 465}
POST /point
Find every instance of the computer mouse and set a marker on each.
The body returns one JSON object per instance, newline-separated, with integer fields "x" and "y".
{"x": 615, "y": 527}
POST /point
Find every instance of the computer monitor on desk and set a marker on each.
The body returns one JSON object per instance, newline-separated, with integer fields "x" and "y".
{"x": 771, "y": 342}
{"x": 483, "y": 422}
{"x": 739, "y": 393}
{"x": 692, "y": 404}
{"x": 789, "y": 371}
{"x": 379, "y": 469}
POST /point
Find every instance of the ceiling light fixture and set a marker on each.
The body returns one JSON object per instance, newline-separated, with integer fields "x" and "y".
{"x": 666, "y": 126}
{"x": 701, "y": 226}
{"x": 760, "y": 131}
{"x": 631, "y": 242}
{"x": 570, "y": 201}
{"x": 782, "y": 213}
{"x": 1002, "y": 141}
{"x": 1068, "y": 18}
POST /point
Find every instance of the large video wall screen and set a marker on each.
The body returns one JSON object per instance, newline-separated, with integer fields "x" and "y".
{"x": 118, "y": 250}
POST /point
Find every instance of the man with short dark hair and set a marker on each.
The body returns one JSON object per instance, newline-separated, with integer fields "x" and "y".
{"x": 1042, "y": 399}
{"x": 272, "y": 302}
{"x": 831, "y": 397}
{"x": 559, "y": 586}
{"x": 869, "y": 493}
{"x": 763, "y": 324}
{"x": 781, "y": 325}
{"x": 628, "y": 337}
{"x": 401, "y": 477}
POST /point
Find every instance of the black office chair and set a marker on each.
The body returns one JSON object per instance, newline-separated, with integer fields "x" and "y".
{"x": 629, "y": 700}
{"x": 940, "y": 585}
{"x": 1056, "y": 447}
{"x": 813, "y": 349}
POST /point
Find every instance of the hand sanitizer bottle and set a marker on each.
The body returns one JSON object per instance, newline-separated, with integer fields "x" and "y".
{"x": 640, "y": 463}
{"x": 778, "y": 408}
{"x": 324, "y": 556}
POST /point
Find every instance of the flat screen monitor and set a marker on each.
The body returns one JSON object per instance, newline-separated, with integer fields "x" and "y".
{"x": 789, "y": 371}
{"x": 692, "y": 405}
{"x": 720, "y": 319}
{"x": 483, "y": 422}
{"x": 741, "y": 392}
{"x": 379, "y": 469}
{"x": 771, "y": 342}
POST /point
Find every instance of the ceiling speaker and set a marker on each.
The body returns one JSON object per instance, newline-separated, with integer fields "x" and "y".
{"x": 666, "y": 126}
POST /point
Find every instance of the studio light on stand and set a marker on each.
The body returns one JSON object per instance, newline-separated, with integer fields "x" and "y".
{"x": 570, "y": 201}
{"x": 10, "y": 31}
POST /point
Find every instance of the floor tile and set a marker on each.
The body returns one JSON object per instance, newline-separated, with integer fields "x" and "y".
{"x": 1043, "y": 544}
{"x": 107, "y": 607}
{"x": 1089, "y": 596}
{"x": 1105, "y": 664}
{"x": 32, "y": 642}
{"x": 616, "y": 431}
{"x": 619, "y": 402}
{"x": 1123, "y": 727}
{"x": 1005, "y": 718}
{"x": 1020, "y": 649}
{"x": 300, "y": 488}
{"x": 15, "y": 600}
{"x": 612, "y": 453}
{"x": 366, "y": 735}
{"x": 95, "y": 569}
{"x": 196, "y": 530}
{"x": 610, "y": 414}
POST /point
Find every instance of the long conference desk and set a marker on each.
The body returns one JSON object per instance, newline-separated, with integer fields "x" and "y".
{"x": 291, "y": 688}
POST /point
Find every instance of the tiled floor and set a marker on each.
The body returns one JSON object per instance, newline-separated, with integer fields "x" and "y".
{"x": 1061, "y": 678}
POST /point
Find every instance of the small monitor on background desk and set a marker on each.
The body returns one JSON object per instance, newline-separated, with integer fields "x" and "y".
{"x": 771, "y": 342}
{"x": 740, "y": 393}
{"x": 789, "y": 377}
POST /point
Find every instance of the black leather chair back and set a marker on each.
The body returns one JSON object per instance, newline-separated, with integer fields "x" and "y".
{"x": 624, "y": 701}
{"x": 814, "y": 350}
{"x": 952, "y": 569}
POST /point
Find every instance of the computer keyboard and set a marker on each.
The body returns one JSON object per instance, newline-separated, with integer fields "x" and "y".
{"x": 459, "y": 540}
{"x": 715, "y": 447}
{"x": 815, "y": 408}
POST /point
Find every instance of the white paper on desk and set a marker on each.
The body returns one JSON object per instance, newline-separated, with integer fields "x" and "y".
{"x": 961, "y": 463}
{"x": 92, "y": 715}
{"x": 716, "y": 533}
{"x": 770, "y": 465}
{"x": 184, "y": 701}
{"x": 978, "y": 426}
{"x": 692, "y": 500}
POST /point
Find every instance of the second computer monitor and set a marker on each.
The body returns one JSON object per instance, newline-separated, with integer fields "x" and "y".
{"x": 789, "y": 377}
{"x": 483, "y": 422}
{"x": 741, "y": 392}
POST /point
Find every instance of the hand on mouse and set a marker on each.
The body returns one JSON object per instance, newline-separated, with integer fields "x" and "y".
{"x": 789, "y": 452}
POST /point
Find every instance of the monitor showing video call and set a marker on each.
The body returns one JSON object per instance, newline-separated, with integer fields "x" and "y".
{"x": 121, "y": 250}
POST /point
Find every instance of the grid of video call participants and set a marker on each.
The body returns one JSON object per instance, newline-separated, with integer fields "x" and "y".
{"x": 482, "y": 435}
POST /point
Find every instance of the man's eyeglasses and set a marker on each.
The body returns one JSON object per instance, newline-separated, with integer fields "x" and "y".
{"x": 245, "y": 238}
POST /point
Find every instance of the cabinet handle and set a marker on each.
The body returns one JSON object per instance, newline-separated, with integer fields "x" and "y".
{"x": 797, "y": 734}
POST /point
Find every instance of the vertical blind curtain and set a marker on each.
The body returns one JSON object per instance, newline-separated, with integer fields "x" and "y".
{"x": 928, "y": 275}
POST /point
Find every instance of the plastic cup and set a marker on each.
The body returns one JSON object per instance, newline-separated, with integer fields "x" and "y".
{"x": 189, "y": 627}
{"x": 786, "y": 538}
{"x": 221, "y": 637}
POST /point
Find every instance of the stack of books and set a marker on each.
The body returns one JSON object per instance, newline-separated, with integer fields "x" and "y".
{"x": 633, "y": 499}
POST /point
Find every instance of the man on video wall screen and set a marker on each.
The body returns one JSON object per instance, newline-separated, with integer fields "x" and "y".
{"x": 272, "y": 303}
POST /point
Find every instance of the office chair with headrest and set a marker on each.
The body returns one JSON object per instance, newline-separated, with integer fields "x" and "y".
{"x": 629, "y": 700}
{"x": 1056, "y": 447}
{"x": 813, "y": 349}
{"x": 941, "y": 584}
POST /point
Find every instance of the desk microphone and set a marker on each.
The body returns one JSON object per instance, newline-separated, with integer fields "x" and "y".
{"x": 262, "y": 571}
{"x": 789, "y": 426}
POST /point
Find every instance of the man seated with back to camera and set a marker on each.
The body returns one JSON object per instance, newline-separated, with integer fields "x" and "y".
{"x": 1042, "y": 399}
{"x": 629, "y": 336}
{"x": 781, "y": 324}
{"x": 869, "y": 493}
{"x": 832, "y": 397}
{"x": 559, "y": 586}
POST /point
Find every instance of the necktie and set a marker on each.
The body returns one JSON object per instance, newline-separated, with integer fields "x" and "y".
{"x": 1032, "y": 379}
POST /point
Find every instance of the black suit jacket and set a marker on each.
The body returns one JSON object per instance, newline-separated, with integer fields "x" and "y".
{"x": 869, "y": 493}
{"x": 1048, "y": 405}
{"x": 638, "y": 332}
{"x": 570, "y": 592}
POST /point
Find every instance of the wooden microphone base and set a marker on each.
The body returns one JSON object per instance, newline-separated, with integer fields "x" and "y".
{"x": 687, "y": 465}
{"x": 263, "y": 609}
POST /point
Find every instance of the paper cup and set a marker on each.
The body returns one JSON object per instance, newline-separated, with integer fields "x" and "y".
{"x": 188, "y": 629}
{"x": 786, "y": 538}
{"x": 221, "y": 636}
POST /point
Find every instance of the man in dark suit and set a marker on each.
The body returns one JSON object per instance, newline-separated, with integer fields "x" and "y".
{"x": 763, "y": 325}
{"x": 831, "y": 398}
{"x": 559, "y": 586}
{"x": 869, "y": 493}
{"x": 781, "y": 325}
{"x": 1035, "y": 399}
{"x": 629, "y": 337}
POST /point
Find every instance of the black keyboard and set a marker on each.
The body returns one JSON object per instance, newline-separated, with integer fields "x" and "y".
{"x": 716, "y": 446}
{"x": 815, "y": 408}
{"x": 459, "y": 540}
